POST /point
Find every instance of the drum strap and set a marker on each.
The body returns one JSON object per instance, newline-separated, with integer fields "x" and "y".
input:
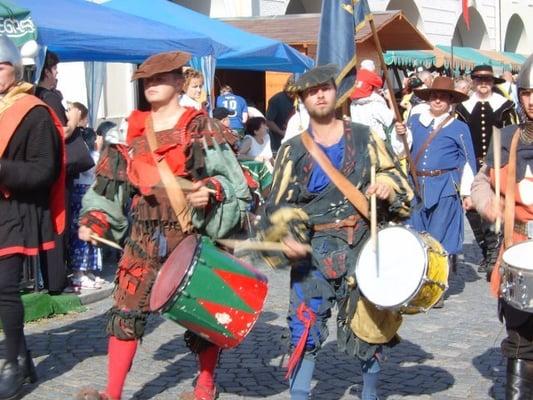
{"x": 508, "y": 217}
{"x": 175, "y": 195}
{"x": 347, "y": 188}
{"x": 429, "y": 139}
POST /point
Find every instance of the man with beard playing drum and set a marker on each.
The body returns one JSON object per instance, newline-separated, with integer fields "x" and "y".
{"x": 316, "y": 210}
{"x": 131, "y": 180}
{"x": 516, "y": 176}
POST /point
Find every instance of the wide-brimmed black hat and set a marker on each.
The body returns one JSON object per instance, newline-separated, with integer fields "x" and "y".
{"x": 315, "y": 77}
{"x": 442, "y": 84}
{"x": 485, "y": 71}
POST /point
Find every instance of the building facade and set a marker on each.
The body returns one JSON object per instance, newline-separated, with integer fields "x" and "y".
{"x": 502, "y": 25}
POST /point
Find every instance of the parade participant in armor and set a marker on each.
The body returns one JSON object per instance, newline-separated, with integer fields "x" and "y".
{"x": 32, "y": 204}
{"x": 334, "y": 227}
{"x": 443, "y": 155}
{"x": 517, "y": 155}
{"x": 188, "y": 144}
{"x": 483, "y": 111}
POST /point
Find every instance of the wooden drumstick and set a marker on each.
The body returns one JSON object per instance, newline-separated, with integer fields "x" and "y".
{"x": 496, "y": 148}
{"x": 259, "y": 246}
{"x": 186, "y": 185}
{"x": 374, "y": 218}
{"x": 105, "y": 241}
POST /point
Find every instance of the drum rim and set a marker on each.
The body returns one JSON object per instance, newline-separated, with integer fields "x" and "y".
{"x": 186, "y": 279}
{"x": 505, "y": 264}
{"x": 405, "y": 303}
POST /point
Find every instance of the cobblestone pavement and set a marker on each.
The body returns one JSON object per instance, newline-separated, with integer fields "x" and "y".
{"x": 450, "y": 353}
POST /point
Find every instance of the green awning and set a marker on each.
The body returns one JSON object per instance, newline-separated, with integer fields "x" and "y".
{"x": 16, "y": 23}
{"x": 474, "y": 56}
{"x": 518, "y": 58}
{"x": 410, "y": 58}
{"x": 464, "y": 58}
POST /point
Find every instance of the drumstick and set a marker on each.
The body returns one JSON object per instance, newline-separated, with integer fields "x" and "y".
{"x": 496, "y": 147}
{"x": 106, "y": 242}
{"x": 374, "y": 218}
{"x": 260, "y": 246}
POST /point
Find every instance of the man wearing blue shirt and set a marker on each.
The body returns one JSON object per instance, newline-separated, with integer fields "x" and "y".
{"x": 237, "y": 107}
{"x": 443, "y": 154}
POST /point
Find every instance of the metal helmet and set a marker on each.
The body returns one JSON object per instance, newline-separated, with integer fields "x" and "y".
{"x": 525, "y": 77}
{"x": 10, "y": 54}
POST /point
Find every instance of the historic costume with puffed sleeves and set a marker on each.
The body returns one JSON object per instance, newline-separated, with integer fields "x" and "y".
{"x": 128, "y": 184}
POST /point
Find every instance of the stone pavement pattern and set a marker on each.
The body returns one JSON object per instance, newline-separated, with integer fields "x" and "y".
{"x": 451, "y": 353}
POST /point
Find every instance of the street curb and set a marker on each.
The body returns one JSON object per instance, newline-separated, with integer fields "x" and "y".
{"x": 96, "y": 295}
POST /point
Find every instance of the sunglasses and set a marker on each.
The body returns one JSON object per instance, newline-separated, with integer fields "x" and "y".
{"x": 484, "y": 79}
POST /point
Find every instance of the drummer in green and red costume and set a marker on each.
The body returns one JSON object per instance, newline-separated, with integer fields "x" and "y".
{"x": 195, "y": 147}
{"x": 334, "y": 227}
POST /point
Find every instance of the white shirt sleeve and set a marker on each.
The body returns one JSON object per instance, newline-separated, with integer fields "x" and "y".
{"x": 466, "y": 180}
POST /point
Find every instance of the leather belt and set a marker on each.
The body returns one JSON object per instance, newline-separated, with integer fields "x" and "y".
{"x": 349, "y": 222}
{"x": 433, "y": 172}
{"x": 522, "y": 228}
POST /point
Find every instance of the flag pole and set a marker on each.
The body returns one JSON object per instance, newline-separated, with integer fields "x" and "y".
{"x": 452, "y": 69}
{"x": 393, "y": 101}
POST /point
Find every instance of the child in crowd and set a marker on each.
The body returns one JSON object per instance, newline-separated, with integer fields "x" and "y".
{"x": 84, "y": 259}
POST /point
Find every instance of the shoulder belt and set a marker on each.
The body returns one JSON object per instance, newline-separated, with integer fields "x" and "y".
{"x": 347, "y": 188}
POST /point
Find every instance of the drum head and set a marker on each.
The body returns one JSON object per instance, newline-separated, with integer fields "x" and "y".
{"x": 400, "y": 270}
{"x": 520, "y": 255}
{"x": 173, "y": 272}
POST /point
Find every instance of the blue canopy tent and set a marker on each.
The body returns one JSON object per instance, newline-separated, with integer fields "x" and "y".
{"x": 248, "y": 51}
{"x": 78, "y": 30}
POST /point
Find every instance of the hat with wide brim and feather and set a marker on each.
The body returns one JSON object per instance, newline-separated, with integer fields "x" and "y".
{"x": 442, "y": 84}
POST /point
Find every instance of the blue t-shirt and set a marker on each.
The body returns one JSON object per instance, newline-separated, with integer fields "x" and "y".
{"x": 236, "y": 105}
{"x": 318, "y": 179}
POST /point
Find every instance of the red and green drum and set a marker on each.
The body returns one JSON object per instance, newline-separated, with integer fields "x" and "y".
{"x": 209, "y": 292}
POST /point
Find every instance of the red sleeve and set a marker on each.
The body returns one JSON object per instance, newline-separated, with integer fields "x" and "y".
{"x": 97, "y": 221}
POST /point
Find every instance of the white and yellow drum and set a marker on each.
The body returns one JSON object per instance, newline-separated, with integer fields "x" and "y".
{"x": 409, "y": 274}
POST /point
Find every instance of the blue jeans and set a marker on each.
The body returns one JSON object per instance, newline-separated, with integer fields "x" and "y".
{"x": 370, "y": 369}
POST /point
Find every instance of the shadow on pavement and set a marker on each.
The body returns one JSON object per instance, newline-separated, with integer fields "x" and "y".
{"x": 397, "y": 378}
{"x": 251, "y": 370}
{"x": 492, "y": 365}
{"x": 70, "y": 345}
{"x": 466, "y": 273}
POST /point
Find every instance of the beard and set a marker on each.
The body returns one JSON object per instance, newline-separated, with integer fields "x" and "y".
{"x": 322, "y": 113}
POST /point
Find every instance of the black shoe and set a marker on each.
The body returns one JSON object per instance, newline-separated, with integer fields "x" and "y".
{"x": 483, "y": 268}
{"x": 11, "y": 381}
{"x": 519, "y": 379}
{"x": 27, "y": 368}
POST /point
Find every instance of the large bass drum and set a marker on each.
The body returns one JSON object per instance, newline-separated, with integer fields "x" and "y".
{"x": 409, "y": 274}
{"x": 517, "y": 276}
